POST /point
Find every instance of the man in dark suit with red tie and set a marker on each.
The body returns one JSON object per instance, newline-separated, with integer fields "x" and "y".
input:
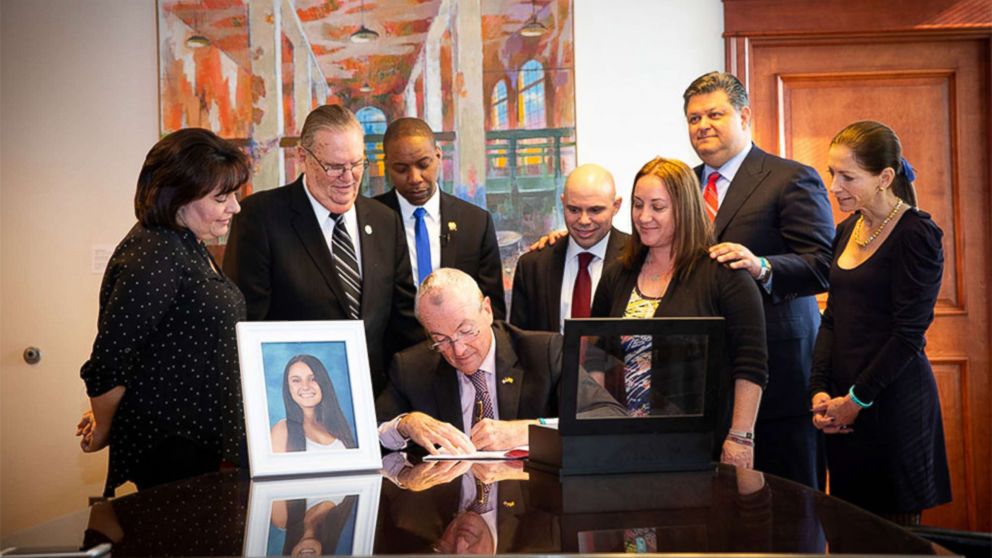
{"x": 771, "y": 216}
{"x": 441, "y": 230}
{"x": 559, "y": 282}
{"x": 316, "y": 250}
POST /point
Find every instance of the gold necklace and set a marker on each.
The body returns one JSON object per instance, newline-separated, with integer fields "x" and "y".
{"x": 860, "y": 228}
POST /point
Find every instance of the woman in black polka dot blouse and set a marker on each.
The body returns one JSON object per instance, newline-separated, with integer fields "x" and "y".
{"x": 163, "y": 377}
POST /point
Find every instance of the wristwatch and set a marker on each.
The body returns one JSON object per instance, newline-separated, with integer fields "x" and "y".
{"x": 766, "y": 270}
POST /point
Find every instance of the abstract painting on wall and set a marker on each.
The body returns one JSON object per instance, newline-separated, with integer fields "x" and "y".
{"x": 493, "y": 78}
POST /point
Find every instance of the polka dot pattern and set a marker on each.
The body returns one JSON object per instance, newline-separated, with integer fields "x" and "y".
{"x": 166, "y": 333}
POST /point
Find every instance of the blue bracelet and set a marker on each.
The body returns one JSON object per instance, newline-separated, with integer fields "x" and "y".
{"x": 857, "y": 401}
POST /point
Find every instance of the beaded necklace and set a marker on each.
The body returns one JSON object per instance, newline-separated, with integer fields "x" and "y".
{"x": 859, "y": 232}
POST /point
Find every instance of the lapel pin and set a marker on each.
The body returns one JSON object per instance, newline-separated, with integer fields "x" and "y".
{"x": 452, "y": 226}
{"x": 368, "y": 229}
{"x": 506, "y": 380}
{"x": 509, "y": 503}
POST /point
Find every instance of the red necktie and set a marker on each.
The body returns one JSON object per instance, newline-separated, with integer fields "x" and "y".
{"x": 711, "y": 197}
{"x": 582, "y": 291}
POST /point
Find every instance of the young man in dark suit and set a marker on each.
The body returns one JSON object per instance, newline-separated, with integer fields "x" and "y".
{"x": 771, "y": 216}
{"x": 316, "y": 250}
{"x": 476, "y": 383}
{"x": 441, "y": 230}
{"x": 559, "y": 282}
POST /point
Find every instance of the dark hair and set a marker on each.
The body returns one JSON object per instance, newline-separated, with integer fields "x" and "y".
{"x": 407, "y": 127}
{"x": 717, "y": 81}
{"x": 693, "y": 230}
{"x": 334, "y": 118}
{"x": 183, "y": 167}
{"x": 876, "y": 147}
{"x": 329, "y": 413}
{"x": 329, "y": 530}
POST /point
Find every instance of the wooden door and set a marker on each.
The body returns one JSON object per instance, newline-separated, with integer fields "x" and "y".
{"x": 811, "y": 68}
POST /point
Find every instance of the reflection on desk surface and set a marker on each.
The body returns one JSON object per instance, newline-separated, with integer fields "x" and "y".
{"x": 458, "y": 508}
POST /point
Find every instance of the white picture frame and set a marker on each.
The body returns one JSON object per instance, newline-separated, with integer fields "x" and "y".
{"x": 331, "y": 354}
{"x": 314, "y": 511}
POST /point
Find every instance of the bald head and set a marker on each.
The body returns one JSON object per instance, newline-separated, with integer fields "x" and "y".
{"x": 589, "y": 204}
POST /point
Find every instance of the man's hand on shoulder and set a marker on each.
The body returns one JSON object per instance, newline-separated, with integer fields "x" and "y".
{"x": 548, "y": 240}
{"x": 736, "y": 256}
{"x": 493, "y": 435}
{"x": 428, "y": 432}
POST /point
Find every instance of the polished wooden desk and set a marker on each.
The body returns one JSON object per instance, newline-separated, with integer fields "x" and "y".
{"x": 423, "y": 508}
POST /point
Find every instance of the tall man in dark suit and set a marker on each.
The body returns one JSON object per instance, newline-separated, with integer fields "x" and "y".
{"x": 316, "y": 250}
{"x": 559, "y": 282}
{"x": 474, "y": 384}
{"x": 441, "y": 230}
{"x": 772, "y": 218}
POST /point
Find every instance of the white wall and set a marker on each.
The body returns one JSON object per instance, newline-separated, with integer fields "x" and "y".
{"x": 633, "y": 60}
{"x": 78, "y": 112}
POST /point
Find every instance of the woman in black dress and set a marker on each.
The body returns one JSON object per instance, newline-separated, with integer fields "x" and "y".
{"x": 873, "y": 391}
{"x": 163, "y": 375}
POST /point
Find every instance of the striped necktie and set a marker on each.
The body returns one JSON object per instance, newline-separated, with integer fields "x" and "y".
{"x": 347, "y": 265}
{"x": 711, "y": 197}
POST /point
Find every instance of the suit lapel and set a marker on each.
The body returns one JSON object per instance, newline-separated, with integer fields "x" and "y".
{"x": 748, "y": 177}
{"x": 614, "y": 246}
{"x": 448, "y": 216}
{"x": 553, "y": 302}
{"x": 509, "y": 376}
{"x": 447, "y": 395}
{"x": 367, "y": 242}
{"x": 307, "y": 228}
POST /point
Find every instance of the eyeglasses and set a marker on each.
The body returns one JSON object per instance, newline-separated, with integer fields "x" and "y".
{"x": 339, "y": 171}
{"x": 464, "y": 335}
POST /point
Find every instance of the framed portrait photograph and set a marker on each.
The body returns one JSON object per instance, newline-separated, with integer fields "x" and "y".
{"x": 327, "y": 516}
{"x": 308, "y": 397}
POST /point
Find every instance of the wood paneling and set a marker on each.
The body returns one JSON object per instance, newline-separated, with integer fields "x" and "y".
{"x": 814, "y": 66}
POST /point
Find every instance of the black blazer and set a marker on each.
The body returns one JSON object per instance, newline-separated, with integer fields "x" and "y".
{"x": 779, "y": 209}
{"x": 528, "y": 370}
{"x": 710, "y": 290}
{"x": 536, "y": 301}
{"x": 278, "y": 257}
{"x": 468, "y": 243}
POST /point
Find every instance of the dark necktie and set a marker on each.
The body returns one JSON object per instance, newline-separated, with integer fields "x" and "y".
{"x": 482, "y": 503}
{"x": 347, "y": 265}
{"x": 422, "y": 245}
{"x": 582, "y": 290}
{"x": 711, "y": 197}
{"x": 483, "y": 403}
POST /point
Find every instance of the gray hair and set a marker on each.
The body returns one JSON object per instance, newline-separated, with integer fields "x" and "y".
{"x": 334, "y": 118}
{"x": 443, "y": 283}
{"x": 717, "y": 81}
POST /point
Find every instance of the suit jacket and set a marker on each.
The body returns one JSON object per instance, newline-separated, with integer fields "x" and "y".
{"x": 536, "y": 301}
{"x": 468, "y": 243}
{"x": 278, "y": 257}
{"x": 779, "y": 209}
{"x": 528, "y": 381}
{"x": 410, "y": 522}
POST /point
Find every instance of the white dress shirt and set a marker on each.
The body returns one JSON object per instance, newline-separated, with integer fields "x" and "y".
{"x": 432, "y": 218}
{"x": 727, "y": 173}
{"x": 327, "y": 225}
{"x": 571, "y": 270}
